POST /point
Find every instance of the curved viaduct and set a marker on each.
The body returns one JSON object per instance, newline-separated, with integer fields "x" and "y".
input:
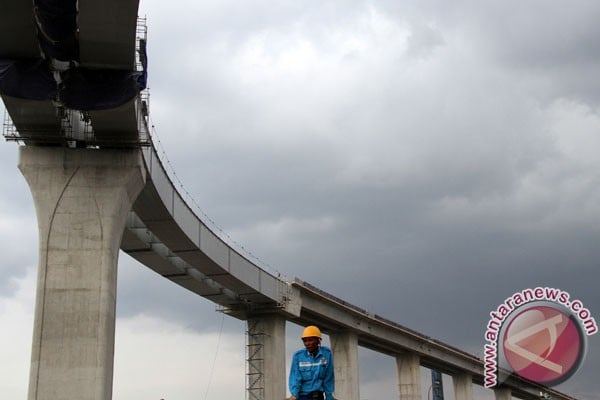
{"x": 99, "y": 185}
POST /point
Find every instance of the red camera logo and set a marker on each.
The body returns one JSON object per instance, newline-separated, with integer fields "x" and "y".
{"x": 537, "y": 333}
{"x": 544, "y": 344}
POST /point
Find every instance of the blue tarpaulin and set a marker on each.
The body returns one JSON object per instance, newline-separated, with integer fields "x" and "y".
{"x": 27, "y": 79}
{"x": 98, "y": 89}
{"x": 80, "y": 88}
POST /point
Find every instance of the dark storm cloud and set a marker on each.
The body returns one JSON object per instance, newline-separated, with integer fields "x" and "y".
{"x": 400, "y": 150}
{"x": 549, "y": 47}
{"x": 438, "y": 156}
{"x": 435, "y": 179}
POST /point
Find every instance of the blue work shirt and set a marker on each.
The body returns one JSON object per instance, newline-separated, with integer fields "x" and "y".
{"x": 310, "y": 373}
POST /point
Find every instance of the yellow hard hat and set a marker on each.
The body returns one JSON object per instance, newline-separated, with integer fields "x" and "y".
{"x": 311, "y": 331}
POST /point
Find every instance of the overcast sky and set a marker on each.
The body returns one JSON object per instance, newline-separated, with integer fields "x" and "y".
{"x": 421, "y": 159}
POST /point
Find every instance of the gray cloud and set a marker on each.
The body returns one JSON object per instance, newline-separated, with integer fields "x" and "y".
{"x": 422, "y": 160}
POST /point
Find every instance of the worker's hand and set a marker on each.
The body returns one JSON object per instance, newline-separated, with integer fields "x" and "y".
{"x": 292, "y": 398}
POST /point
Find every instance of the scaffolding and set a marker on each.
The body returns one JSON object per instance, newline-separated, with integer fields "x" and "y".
{"x": 255, "y": 360}
{"x": 9, "y": 131}
{"x": 74, "y": 128}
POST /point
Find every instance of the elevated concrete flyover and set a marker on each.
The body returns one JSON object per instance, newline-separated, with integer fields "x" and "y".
{"x": 34, "y": 118}
{"x": 99, "y": 185}
{"x": 166, "y": 235}
{"x": 70, "y": 71}
{"x": 388, "y": 337}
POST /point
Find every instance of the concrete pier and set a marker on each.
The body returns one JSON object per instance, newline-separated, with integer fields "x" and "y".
{"x": 463, "y": 387}
{"x": 82, "y": 198}
{"x": 344, "y": 346}
{"x": 503, "y": 394}
{"x": 266, "y": 378}
{"x": 409, "y": 376}
{"x": 275, "y": 378}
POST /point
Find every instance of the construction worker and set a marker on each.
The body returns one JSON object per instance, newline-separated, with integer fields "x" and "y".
{"x": 311, "y": 372}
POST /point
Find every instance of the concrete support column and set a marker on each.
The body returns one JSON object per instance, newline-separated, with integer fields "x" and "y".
{"x": 266, "y": 357}
{"x": 409, "y": 376}
{"x": 503, "y": 394}
{"x": 344, "y": 346}
{"x": 463, "y": 387}
{"x": 82, "y": 198}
